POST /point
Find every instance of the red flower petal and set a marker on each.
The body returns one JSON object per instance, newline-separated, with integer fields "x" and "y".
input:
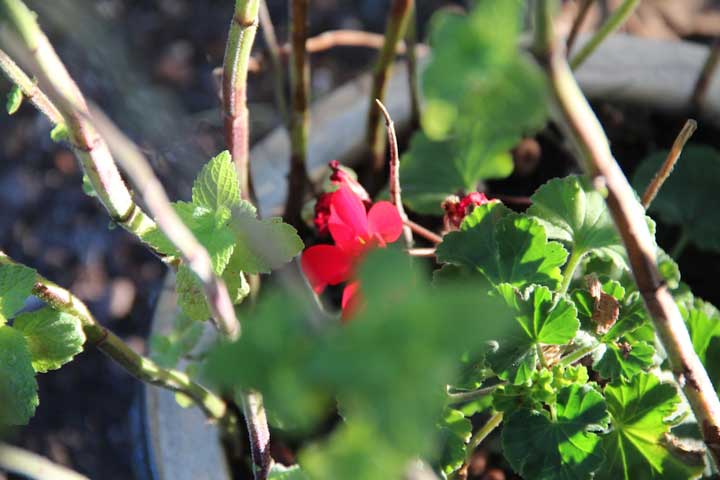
{"x": 384, "y": 220}
{"x": 348, "y": 222}
{"x": 351, "y": 300}
{"x": 325, "y": 265}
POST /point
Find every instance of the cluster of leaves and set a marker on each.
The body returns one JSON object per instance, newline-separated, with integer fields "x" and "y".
{"x": 238, "y": 242}
{"x": 30, "y": 343}
{"x": 475, "y": 115}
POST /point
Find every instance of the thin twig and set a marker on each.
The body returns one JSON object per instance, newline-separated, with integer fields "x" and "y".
{"x": 32, "y": 465}
{"x": 421, "y": 252}
{"x": 579, "y": 19}
{"x": 464, "y": 397}
{"x": 300, "y": 114}
{"x": 241, "y": 36}
{"x": 412, "y": 69}
{"x": 614, "y": 22}
{"x": 424, "y": 232}
{"x": 703, "y": 82}
{"x": 111, "y": 345}
{"x": 395, "y": 190}
{"x": 29, "y": 89}
{"x": 493, "y": 422}
{"x": 273, "y": 49}
{"x": 667, "y": 167}
{"x": 397, "y": 21}
{"x": 97, "y": 163}
{"x": 583, "y": 128}
{"x": 194, "y": 255}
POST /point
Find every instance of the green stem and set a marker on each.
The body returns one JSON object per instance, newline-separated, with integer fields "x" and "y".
{"x": 464, "y": 397}
{"x": 578, "y": 354}
{"x": 541, "y": 356}
{"x": 680, "y": 245}
{"x": 241, "y": 37}
{"x": 29, "y": 88}
{"x": 493, "y": 422}
{"x": 569, "y": 270}
{"x": 140, "y": 367}
{"x": 34, "y": 466}
{"x": 617, "y": 18}
{"x": 256, "y": 421}
{"x": 300, "y": 113}
{"x": 394, "y": 31}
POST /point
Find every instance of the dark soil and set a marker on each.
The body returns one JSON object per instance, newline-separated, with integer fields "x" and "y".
{"x": 149, "y": 64}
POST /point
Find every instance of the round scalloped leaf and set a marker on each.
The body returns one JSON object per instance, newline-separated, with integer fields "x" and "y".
{"x": 16, "y": 283}
{"x": 566, "y": 447}
{"x": 635, "y": 447}
{"x": 53, "y": 337}
{"x": 624, "y": 361}
{"x": 18, "y": 388}
{"x": 688, "y": 198}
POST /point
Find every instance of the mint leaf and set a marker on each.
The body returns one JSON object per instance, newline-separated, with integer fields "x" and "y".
{"x": 624, "y": 360}
{"x": 538, "y": 321}
{"x": 184, "y": 336}
{"x": 262, "y": 245}
{"x": 14, "y": 100}
{"x": 572, "y": 211}
{"x": 506, "y": 247}
{"x": 217, "y": 184}
{"x": 688, "y": 198}
{"x": 191, "y": 296}
{"x": 18, "y": 388}
{"x": 635, "y": 447}
{"x": 541, "y": 447}
{"x": 234, "y": 278}
{"x": 53, "y": 337}
{"x": 455, "y": 433}
{"x": 16, "y": 284}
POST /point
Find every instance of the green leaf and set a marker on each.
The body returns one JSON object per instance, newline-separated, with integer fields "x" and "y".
{"x": 624, "y": 360}
{"x": 16, "y": 284}
{"x": 87, "y": 187}
{"x": 474, "y": 116}
{"x": 53, "y": 337}
{"x": 703, "y": 321}
{"x": 18, "y": 388}
{"x": 262, "y": 245}
{"x": 506, "y": 247}
{"x": 635, "y": 447}
{"x": 281, "y": 472}
{"x": 688, "y": 198}
{"x": 572, "y": 211}
{"x": 538, "y": 321}
{"x": 60, "y": 133}
{"x": 455, "y": 433}
{"x": 234, "y": 278}
{"x": 167, "y": 349}
{"x": 541, "y": 447}
{"x": 217, "y": 184}
{"x": 14, "y": 100}
{"x": 191, "y": 296}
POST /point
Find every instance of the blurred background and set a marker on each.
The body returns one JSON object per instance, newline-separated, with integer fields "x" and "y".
{"x": 149, "y": 64}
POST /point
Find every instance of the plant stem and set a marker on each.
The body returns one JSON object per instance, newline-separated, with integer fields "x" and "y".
{"x": 421, "y": 252}
{"x": 667, "y": 167}
{"x": 241, "y": 36}
{"x": 493, "y": 422}
{"x": 268, "y": 31}
{"x": 578, "y": 354}
{"x": 395, "y": 190}
{"x": 703, "y": 82}
{"x": 394, "y": 31}
{"x": 32, "y": 465}
{"x": 582, "y": 13}
{"x": 680, "y": 245}
{"x": 256, "y": 421}
{"x": 424, "y": 232}
{"x": 617, "y": 18}
{"x": 541, "y": 356}
{"x": 464, "y": 397}
{"x": 300, "y": 114}
{"x": 29, "y": 89}
{"x": 412, "y": 68}
{"x": 92, "y": 151}
{"x": 569, "y": 270}
{"x": 581, "y": 125}
{"x": 111, "y": 345}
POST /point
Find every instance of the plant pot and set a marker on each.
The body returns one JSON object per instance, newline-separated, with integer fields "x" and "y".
{"x": 177, "y": 443}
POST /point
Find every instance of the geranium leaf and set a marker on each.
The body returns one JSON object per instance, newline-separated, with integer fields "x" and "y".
{"x": 262, "y": 245}
{"x": 167, "y": 349}
{"x": 539, "y": 320}
{"x": 688, "y": 198}
{"x": 455, "y": 432}
{"x": 635, "y": 447}
{"x": 543, "y": 448}
{"x": 18, "y": 388}
{"x": 53, "y": 337}
{"x": 217, "y": 184}
{"x": 504, "y": 246}
{"x": 572, "y": 211}
{"x": 281, "y": 472}
{"x": 16, "y": 283}
{"x": 624, "y": 360}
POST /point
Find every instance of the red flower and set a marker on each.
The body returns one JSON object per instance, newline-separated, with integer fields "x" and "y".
{"x": 355, "y": 231}
{"x": 456, "y": 209}
{"x": 338, "y": 177}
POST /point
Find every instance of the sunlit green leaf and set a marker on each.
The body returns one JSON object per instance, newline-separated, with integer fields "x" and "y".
{"x": 217, "y": 184}
{"x": 624, "y": 360}
{"x": 18, "y": 388}
{"x": 14, "y": 100}
{"x": 16, "y": 283}
{"x": 455, "y": 431}
{"x": 53, "y": 337}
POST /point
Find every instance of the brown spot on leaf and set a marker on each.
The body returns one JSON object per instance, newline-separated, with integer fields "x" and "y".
{"x": 607, "y": 308}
